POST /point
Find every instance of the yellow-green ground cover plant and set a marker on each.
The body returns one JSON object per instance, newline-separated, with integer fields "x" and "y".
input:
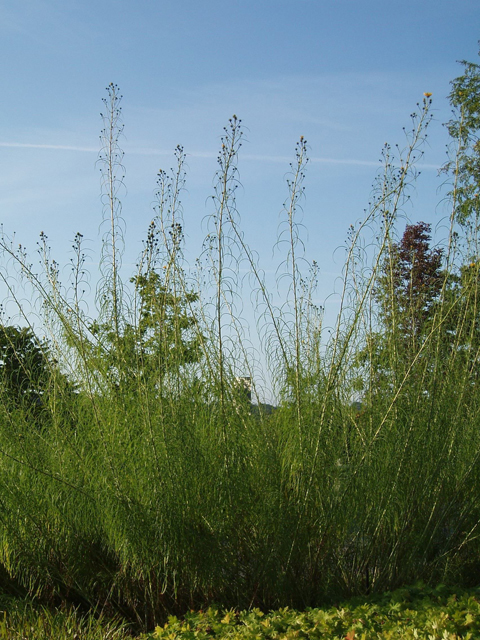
{"x": 136, "y": 476}
{"x": 409, "y": 613}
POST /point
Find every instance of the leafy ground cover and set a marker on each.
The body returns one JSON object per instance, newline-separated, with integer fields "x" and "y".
{"x": 415, "y": 612}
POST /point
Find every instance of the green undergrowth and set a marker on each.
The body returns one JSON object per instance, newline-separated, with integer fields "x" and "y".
{"x": 417, "y": 612}
{"x": 414, "y": 612}
{"x": 21, "y": 619}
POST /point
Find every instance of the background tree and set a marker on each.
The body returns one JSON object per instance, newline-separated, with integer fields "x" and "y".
{"x": 407, "y": 295}
{"x": 166, "y": 325}
{"x": 462, "y": 328}
{"x": 25, "y": 367}
{"x": 464, "y": 128}
{"x": 410, "y": 283}
{"x": 29, "y": 374}
{"x": 164, "y": 338}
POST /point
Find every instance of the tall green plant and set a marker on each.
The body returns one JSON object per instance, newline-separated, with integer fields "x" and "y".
{"x": 109, "y": 293}
{"x": 160, "y": 487}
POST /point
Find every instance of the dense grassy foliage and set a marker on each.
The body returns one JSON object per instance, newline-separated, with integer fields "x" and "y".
{"x": 20, "y": 620}
{"x": 136, "y": 476}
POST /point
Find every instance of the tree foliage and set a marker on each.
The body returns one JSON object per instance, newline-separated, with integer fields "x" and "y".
{"x": 25, "y": 367}
{"x": 464, "y": 128}
{"x": 410, "y": 282}
{"x": 30, "y": 374}
{"x": 161, "y": 341}
{"x": 165, "y": 325}
{"x": 407, "y": 296}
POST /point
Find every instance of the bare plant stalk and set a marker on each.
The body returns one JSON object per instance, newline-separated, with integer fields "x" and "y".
{"x": 112, "y": 172}
{"x": 224, "y": 200}
{"x": 296, "y": 190}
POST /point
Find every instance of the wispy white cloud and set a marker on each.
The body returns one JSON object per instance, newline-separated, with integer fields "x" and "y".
{"x": 364, "y": 163}
{"x": 319, "y": 160}
{"x": 142, "y": 151}
{"x": 273, "y": 158}
{"x": 56, "y": 147}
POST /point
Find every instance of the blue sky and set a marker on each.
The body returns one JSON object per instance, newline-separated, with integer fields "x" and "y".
{"x": 345, "y": 74}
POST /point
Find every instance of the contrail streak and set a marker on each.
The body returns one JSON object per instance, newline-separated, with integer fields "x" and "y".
{"x": 204, "y": 154}
{"x": 56, "y": 147}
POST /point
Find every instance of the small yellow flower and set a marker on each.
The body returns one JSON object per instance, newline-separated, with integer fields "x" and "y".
{"x": 427, "y": 94}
